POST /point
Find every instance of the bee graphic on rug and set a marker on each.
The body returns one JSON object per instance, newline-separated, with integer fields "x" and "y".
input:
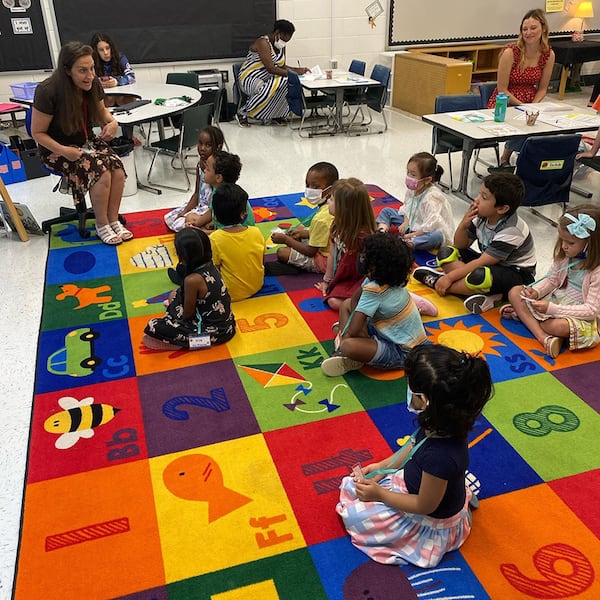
{"x": 78, "y": 419}
{"x": 85, "y": 296}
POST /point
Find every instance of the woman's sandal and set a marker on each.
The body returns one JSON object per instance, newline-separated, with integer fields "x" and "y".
{"x": 121, "y": 231}
{"x": 508, "y": 312}
{"x": 242, "y": 120}
{"x": 552, "y": 345}
{"x": 108, "y": 236}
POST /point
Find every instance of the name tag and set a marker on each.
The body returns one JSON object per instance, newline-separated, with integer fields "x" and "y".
{"x": 199, "y": 341}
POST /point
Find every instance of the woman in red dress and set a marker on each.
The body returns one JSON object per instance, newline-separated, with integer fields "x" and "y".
{"x": 524, "y": 70}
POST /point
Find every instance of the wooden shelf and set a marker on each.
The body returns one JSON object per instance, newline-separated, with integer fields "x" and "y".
{"x": 419, "y": 78}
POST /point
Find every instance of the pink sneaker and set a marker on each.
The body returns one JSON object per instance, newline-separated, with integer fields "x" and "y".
{"x": 424, "y": 306}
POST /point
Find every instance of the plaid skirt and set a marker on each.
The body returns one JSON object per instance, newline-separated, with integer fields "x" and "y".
{"x": 393, "y": 537}
{"x": 84, "y": 173}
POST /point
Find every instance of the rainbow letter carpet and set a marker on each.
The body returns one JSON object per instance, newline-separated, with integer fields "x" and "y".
{"x": 213, "y": 474}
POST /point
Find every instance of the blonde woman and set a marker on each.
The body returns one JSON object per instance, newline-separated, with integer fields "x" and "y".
{"x": 524, "y": 71}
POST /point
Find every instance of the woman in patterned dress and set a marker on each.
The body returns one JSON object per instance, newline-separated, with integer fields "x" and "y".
{"x": 524, "y": 71}
{"x": 263, "y": 76}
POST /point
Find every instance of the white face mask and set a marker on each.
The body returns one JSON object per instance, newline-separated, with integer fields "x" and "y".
{"x": 313, "y": 195}
{"x": 409, "y": 404}
{"x": 280, "y": 44}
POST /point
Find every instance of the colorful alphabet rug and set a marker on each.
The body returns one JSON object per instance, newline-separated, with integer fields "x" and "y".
{"x": 213, "y": 474}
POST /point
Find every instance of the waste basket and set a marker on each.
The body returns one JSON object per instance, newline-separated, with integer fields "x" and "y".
{"x": 123, "y": 147}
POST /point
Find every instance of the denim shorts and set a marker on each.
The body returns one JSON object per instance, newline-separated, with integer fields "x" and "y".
{"x": 388, "y": 354}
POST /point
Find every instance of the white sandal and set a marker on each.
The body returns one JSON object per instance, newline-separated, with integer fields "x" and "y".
{"x": 108, "y": 236}
{"x": 121, "y": 231}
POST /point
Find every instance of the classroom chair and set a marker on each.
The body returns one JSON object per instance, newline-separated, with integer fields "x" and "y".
{"x": 193, "y": 120}
{"x": 373, "y": 98}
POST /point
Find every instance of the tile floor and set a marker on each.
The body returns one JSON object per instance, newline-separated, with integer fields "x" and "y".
{"x": 275, "y": 160}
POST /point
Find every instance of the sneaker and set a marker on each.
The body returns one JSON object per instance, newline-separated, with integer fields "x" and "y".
{"x": 338, "y": 365}
{"x": 427, "y": 276}
{"x": 479, "y": 303}
{"x": 424, "y": 306}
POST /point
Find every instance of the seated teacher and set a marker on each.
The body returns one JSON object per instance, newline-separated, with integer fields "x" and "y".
{"x": 112, "y": 67}
{"x": 263, "y": 76}
{"x": 524, "y": 72}
{"x": 66, "y": 107}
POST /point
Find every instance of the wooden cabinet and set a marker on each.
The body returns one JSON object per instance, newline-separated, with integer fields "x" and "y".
{"x": 420, "y": 77}
{"x": 483, "y": 57}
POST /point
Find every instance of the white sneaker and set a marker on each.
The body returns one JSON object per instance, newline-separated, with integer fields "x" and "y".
{"x": 334, "y": 366}
{"x": 480, "y": 303}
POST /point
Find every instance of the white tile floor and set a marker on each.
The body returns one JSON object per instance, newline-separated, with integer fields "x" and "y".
{"x": 274, "y": 160}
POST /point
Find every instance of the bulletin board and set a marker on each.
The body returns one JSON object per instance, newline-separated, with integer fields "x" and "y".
{"x": 155, "y": 31}
{"x": 436, "y": 21}
{"x": 23, "y": 39}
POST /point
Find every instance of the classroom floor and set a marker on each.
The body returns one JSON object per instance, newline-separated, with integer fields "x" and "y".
{"x": 275, "y": 160}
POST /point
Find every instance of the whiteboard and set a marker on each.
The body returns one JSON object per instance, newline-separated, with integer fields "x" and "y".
{"x": 435, "y": 21}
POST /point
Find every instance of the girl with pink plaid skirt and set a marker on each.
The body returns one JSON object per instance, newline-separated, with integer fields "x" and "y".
{"x": 413, "y": 507}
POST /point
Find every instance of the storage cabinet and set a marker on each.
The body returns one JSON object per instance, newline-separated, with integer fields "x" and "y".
{"x": 483, "y": 57}
{"x": 420, "y": 77}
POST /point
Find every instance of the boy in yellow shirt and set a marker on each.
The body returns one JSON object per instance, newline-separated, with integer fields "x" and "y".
{"x": 237, "y": 249}
{"x": 306, "y": 248}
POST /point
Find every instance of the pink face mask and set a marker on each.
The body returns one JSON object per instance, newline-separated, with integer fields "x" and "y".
{"x": 412, "y": 183}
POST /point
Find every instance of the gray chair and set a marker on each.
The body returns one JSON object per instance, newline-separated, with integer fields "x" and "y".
{"x": 193, "y": 120}
{"x": 189, "y": 80}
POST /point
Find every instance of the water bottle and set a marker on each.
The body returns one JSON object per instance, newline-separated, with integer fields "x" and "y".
{"x": 500, "y": 108}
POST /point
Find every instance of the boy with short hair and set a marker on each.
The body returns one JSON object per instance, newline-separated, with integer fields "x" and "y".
{"x": 306, "y": 248}
{"x": 221, "y": 167}
{"x": 507, "y": 254}
{"x": 237, "y": 249}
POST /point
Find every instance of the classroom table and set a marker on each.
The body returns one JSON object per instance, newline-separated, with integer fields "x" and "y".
{"x": 12, "y": 108}
{"x": 473, "y": 135}
{"x": 569, "y": 53}
{"x": 338, "y": 84}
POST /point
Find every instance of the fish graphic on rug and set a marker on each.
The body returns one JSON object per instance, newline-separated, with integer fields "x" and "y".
{"x": 199, "y": 477}
{"x": 78, "y": 420}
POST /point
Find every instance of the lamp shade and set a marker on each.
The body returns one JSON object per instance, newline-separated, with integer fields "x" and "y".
{"x": 585, "y": 10}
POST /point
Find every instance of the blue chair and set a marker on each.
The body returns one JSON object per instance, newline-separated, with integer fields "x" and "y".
{"x": 303, "y": 106}
{"x": 444, "y": 142}
{"x": 374, "y": 98}
{"x": 545, "y": 165}
{"x": 485, "y": 92}
{"x": 357, "y": 66}
{"x": 239, "y": 96}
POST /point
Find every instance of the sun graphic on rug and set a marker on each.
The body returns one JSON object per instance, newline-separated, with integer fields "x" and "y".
{"x": 466, "y": 339}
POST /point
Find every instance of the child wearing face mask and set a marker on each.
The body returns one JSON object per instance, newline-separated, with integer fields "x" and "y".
{"x": 413, "y": 507}
{"x": 425, "y": 220}
{"x": 306, "y": 248}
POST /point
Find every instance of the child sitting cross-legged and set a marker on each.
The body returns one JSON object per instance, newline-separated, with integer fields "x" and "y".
{"x": 506, "y": 257}
{"x": 381, "y": 322}
{"x": 238, "y": 249}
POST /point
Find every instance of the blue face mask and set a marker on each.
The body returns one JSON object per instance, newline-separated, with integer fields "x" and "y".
{"x": 409, "y": 404}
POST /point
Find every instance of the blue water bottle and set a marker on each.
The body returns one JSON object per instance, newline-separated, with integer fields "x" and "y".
{"x": 500, "y": 108}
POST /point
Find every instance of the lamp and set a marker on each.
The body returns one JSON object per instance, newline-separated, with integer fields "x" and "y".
{"x": 585, "y": 10}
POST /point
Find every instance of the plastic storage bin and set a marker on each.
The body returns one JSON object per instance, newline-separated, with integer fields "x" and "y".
{"x": 24, "y": 91}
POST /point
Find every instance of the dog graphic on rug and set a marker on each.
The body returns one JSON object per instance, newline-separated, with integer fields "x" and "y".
{"x": 85, "y": 296}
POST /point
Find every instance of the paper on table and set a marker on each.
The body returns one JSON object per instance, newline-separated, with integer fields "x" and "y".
{"x": 500, "y": 129}
{"x": 472, "y": 117}
{"x": 315, "y": 73}
{"x": 545, "y": 107}
{"x": 577, "y": 119}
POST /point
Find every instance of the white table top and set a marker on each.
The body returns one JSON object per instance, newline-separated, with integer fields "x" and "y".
{"x": 514, "y": 125}
{"x": 152, "y": 91}
{"x": 341, "y": 79}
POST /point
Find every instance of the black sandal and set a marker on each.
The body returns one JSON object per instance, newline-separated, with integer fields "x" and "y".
{"x": 242, "y": 120}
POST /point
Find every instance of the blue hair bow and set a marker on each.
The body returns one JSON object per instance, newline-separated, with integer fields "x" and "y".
{"x": 582, "y": 226}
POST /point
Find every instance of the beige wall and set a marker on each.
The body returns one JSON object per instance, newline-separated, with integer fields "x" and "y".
{"x": 325, "y": 29}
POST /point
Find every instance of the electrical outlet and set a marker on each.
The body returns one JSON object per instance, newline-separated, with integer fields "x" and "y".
{"x": 225, "y": 76}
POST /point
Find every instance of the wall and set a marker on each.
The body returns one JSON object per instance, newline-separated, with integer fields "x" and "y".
{"x": 325, "y": 29}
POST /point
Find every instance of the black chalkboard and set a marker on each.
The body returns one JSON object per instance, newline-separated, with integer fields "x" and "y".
{"x": 23, "y": 39}
{"x": 153, "y": 31}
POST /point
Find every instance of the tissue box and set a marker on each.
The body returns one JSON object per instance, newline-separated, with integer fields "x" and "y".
{"x": 24, "y": 91}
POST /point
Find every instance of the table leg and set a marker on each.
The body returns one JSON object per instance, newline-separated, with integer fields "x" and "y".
{"x": 467, "y": 152}
{"x": 563, "y": 82}
{"x": 339, "y": 107}
{"x": 12, "y": 211}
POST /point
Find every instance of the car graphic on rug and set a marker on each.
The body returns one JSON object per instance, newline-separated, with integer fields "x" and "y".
{"x": 76, "y": 358}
